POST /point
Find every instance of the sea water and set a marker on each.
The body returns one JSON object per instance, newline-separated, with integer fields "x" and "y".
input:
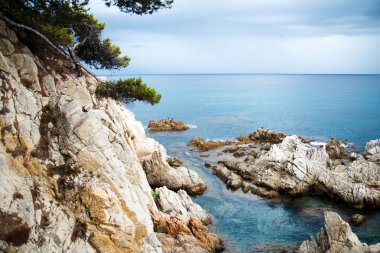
{"x": 226, "y": 106}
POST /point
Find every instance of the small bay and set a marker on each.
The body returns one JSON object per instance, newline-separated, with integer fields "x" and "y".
{"x": 225, "y": 106}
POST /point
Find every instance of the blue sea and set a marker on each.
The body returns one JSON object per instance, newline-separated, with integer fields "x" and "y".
{"x": 226, "y": 106}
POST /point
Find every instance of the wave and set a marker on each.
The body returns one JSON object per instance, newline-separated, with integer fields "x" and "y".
{"x": 192, "y": 126}
{"x": 321, "y": 143}
{"x": 318, "y": 143}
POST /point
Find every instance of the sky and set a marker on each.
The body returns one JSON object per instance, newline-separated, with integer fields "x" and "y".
{"x": 248, "y": 36}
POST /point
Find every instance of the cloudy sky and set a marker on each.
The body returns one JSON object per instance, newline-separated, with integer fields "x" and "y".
{"x": 249, "y": 36}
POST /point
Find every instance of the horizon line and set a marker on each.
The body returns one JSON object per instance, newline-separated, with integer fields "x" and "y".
{"x": 156, "y": 74}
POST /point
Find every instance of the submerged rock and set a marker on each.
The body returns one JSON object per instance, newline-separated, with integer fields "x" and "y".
{"x": 357, "y": 219}
{"x": 166, "y": 125}
{"x": 336, "y": 236}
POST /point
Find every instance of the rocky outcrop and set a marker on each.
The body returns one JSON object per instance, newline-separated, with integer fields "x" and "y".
{"x": 160, "y": 173}
{"x": 72, "y": 177}
{"x": 267, "y": 135}
{"x": 295, "y": 168}
{"x": 336, "y": 236}
{"x": 166, "y": 125}
{"x": 259, "y": 136}
{"x": 202, "y": 145}
{"x": 335, "y": 149}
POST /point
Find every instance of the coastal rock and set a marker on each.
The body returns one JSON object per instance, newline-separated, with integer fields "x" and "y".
{"x": 231, "y": 179}
{"x": 335, "y": 149}
{"x": 372, "y": 150}
{"x": 294, "y": 167}
{"x": 266, "y": 135}
{"x": 71, "y": 165}
{"x": 336, "y": 236}
{"x": 174, "y": 203}
{"x": 202, "y": 145}
{"x": 357, "y": 219}
{"x": 160, "y": 173}
{"x": 174, "y": 161}
{"x": 178, "y": 235}
{"x": 167, "y": 125}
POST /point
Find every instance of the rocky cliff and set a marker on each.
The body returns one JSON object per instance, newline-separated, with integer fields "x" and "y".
{"x": 76, "y": 171}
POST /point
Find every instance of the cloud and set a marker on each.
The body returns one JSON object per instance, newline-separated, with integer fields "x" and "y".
{"x": 266, "y": 36}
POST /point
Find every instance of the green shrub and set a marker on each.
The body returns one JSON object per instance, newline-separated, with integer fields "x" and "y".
{"x": 155, "y": 195}
{"x": 128, "y": 90}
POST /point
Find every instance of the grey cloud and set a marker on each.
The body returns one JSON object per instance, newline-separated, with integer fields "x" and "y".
{"x": 260, "y": 18}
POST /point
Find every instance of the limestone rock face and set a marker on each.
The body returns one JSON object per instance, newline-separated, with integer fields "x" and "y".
{"x": 72, "y": 177}
{"x": 336, "y": 236}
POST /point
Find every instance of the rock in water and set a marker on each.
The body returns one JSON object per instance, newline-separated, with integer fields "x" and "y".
{"x": 336, "y": 237}
{"x": 166, "y": 125}
{"x": 202, "y": 145}
{"x": 357, "y": 219}
{"x": 266, "y": 135}
{"x": 335, "y": 149}
{"x": 294, "y": 167}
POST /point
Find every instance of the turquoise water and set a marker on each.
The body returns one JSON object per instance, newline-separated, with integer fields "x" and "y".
{"x": 226, "y": 106}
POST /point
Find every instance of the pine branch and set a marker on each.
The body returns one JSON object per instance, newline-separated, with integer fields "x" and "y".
{"x": 48, "y": 42}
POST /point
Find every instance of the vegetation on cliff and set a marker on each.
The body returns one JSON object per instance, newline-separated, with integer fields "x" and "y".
{"x": 70, "y": 26}
{"x": 128, "y": 90}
